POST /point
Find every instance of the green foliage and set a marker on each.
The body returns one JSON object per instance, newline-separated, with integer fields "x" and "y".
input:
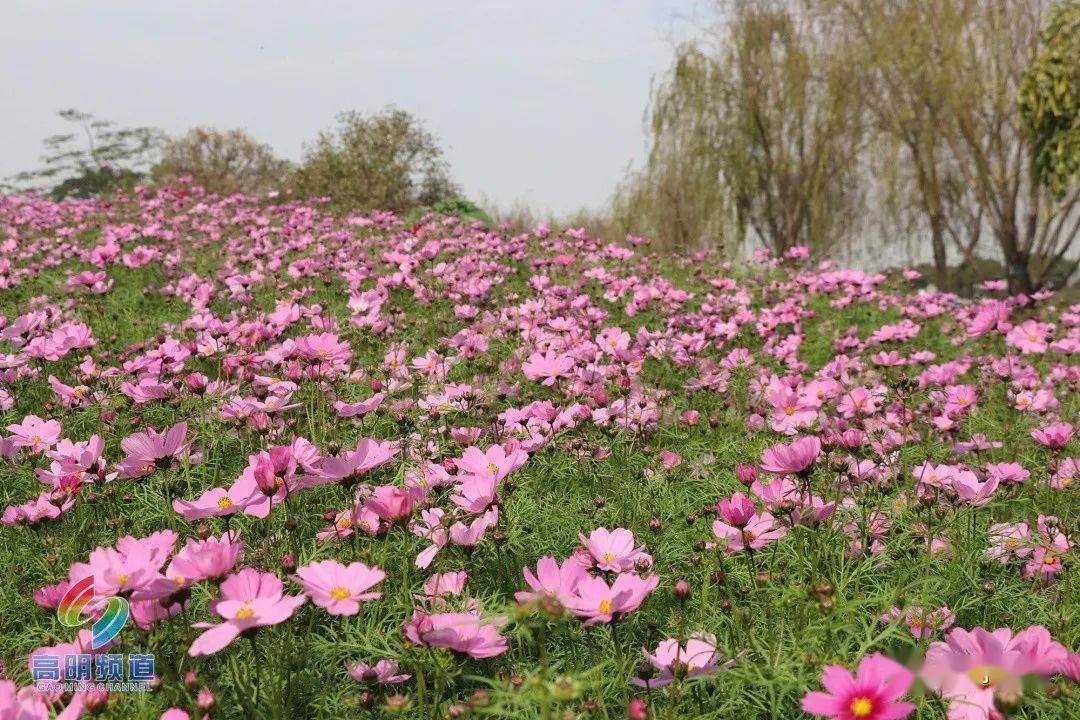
{"x": 1049, "y": 98}
{"x": 97, "y": 159}
{"x": 387, "y": 161}
{"x": 755, "y": 138}
{"x": 222, "y": 162}
{"x": 462, "y": 208}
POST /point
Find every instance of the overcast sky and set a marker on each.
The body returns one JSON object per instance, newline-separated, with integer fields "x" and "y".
{"x": 538, "y": 102}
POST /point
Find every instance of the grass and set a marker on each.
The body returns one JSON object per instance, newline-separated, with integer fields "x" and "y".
{"x": 795, "y": 606}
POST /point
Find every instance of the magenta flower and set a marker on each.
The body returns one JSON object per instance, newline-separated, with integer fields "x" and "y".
{"x": 151, "y": 450}
{"x": 793, "y": 458}
{"x": 464, "y": 633}
{"x": 249, "y": 599}
{"x": 698, "y": 657}
{"x": 598, "y": 602}
{"x": 737, "y": 510}
{"x": 384, "y": 672}
{"x": 337, "y": 588}
{"x": 871, "y": 694}
{"x": 971, "y": 668}
{"x": 34, "y": 433}
{"x": 1054, "y": 436}
{"x": 390, "y": 503}
{"x": 552, "y": 579}
{"x": 760, "y": 530}
{"x": 352, "y": 464}
{"x": 613, "y": 550}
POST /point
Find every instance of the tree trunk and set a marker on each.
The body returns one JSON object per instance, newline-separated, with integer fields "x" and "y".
{"x": 941, "y": 267}
{"x": 1016, "y": 261}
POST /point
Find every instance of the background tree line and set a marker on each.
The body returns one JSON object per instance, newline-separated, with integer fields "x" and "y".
{"x": 944, "y": 129}
{"x": 831, "y": 122}
{"x": 387, "y": 160}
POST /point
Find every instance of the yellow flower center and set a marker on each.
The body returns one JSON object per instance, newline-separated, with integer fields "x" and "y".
{"x": 122, "y": 580}
{"x": 986, "y": 676}
{"x": 339, "y": 593}
{"x": 492, "y": 468}
{"x": 224, "y": 503}
{"x": 605, "y": 606}
{"x": 789, "y": 410}
{"x": 607, "y": 557}
{"x": 178, "y": 580}
{"x": 1012, "y": 543}
{"x": 344, "y": 523}
{"x": 36, "y": 438}
{"x": 77, "y": 393}
{"x": 1049, "y": 560}
{"x": 244, "y": 613}
{"x": 862, "y": 707}
{"x": 322, "y": 353}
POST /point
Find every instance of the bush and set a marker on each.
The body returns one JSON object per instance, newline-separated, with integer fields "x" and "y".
{"x": 222, "y": 162}
{"x": 386, "y": 161}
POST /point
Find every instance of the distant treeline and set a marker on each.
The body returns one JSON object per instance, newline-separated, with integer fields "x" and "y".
{"x": 827, "y": 122}
{"x": 387, "y": 160}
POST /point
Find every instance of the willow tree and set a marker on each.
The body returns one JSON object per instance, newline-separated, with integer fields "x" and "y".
{"x": 1035, "y": 227}
{"x": 757, "y": 122}
{"x": 905, "y": 98}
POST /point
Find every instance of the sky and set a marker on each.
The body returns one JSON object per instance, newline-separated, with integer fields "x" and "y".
{"x": 535, "y": 103}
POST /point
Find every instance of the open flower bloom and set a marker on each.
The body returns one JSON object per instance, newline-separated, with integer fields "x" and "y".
{"x": 871, "y": 694}
{"x": 339, "y": 588}
{"x": 351, "y": 464}
{"x": 552, "y": 579}
{"x": 249, "y": 599}
{"x": 598, "y": 602}
{"x": 613, "y": 550}
{"x": 384, "y": 672}
{"x": 464, "y": 632}
{"x": 971, "y": 668}
{"x": 793, "y": 458}
{"x": 151, "y": 450}
{"x": 672, "y": 661}
{"x": 760, "y": 530}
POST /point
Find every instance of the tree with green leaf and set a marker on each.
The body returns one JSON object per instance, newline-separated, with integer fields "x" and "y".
{"x": 97, "y": 158}
{"x": 1049, "y": 98}
{"x": 387, "y": 161}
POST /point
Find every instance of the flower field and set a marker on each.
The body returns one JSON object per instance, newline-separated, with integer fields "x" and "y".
{"x": 262, "y": 460}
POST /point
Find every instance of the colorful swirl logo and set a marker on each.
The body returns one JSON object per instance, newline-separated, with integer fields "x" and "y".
{"x": 105, "y": 628}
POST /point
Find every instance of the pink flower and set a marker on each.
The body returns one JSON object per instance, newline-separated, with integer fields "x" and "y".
{"x": 596, "y": 601}
{"x": 34, "y": 433}
{"x": 339, "y": 588}
{"x": 1055, "y": 436}
{"x": 249, "y": 599}
{"x": 613, "y": 550}
{"x": 351, "y": 464}
{"x": 793, "y": 458}
{"x": 920, "y": 623}
{"x": 871, "y": 694}
{"x": 552, "y": 579}
{"x": 972, "y": 668}
{"x": 698, "y": 657}
{"x": 737, "y": 510}
{"x": 493, "y": 464}
{"x": 550, "y": 366}
{"x": 132, "y": 568}
{"x": 390, "y": 503}
{"x": 1029, "y": 337}
{"x": 758, "y": 531}
{"x": 207, "y": 559}
{"x": 150, "y": 450}
{"x": 464, "y": 633}
{"x": 384, "y": 672}
{"x": 49, "y": 596}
